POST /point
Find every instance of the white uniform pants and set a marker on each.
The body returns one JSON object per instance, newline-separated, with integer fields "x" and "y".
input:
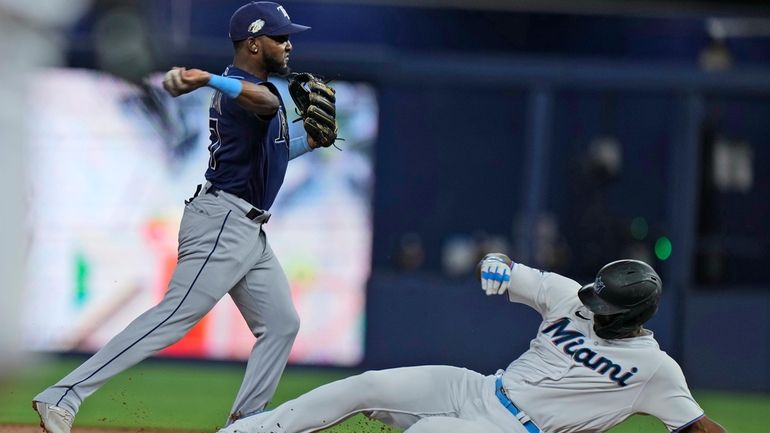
{"x": 428, "y": 399}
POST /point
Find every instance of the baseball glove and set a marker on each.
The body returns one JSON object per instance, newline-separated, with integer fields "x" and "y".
{"x": 315, "y": 102}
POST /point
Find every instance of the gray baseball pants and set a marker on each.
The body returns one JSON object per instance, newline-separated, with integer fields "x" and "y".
{"x": 427, "y": 399}
{"x": 220, "y": 251}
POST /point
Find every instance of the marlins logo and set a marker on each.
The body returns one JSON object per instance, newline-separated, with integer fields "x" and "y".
{"x": 256, "y": 26}
{"x": 599, "y": 285}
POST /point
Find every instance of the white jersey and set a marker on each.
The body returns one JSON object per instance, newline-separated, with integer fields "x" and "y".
{"x": 570, "y": 380}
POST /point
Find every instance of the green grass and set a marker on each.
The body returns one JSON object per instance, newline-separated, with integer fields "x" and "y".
{"x": 197, "y": 397}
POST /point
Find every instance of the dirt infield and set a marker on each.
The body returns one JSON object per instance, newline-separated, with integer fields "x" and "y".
{"x": 10, "y": 428}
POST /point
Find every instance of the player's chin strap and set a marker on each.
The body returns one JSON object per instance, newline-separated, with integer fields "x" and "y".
{"x": 520, "y": 415}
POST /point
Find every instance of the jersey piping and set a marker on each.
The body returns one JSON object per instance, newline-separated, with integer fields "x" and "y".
{"x": 216, "y": 243}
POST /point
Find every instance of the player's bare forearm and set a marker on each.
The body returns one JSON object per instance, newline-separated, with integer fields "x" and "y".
{"x": 255, "y": 98}
{"x": 704, "y": 425}
{"x": 258, "y": 99}
{"x": 179, "y": 81}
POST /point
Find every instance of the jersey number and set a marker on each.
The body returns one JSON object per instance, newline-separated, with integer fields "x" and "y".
{"x": 216, "y": 142}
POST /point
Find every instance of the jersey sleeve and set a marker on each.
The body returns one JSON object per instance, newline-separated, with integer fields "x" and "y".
{"x": 274, "y": 90}
{"x": 545, "y": 292}
{"x": 667, "y": 397}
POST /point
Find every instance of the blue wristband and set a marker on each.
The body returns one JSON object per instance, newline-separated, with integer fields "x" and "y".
{"x": 229, "y": 86}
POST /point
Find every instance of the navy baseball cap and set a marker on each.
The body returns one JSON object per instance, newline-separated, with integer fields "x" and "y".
{"x": 262, "y": 18}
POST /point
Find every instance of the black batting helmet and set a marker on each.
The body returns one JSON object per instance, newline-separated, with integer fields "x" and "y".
{"x": 627, "y": 292}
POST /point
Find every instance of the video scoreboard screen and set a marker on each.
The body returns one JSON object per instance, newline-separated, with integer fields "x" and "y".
{"x": 111, "y": 164}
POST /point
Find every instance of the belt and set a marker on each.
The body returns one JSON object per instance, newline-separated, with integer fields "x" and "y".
{"x": 519, "y": 414}
{"x": 254, "y": 214}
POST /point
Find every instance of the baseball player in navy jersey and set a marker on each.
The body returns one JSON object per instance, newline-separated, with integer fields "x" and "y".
{"x": 222, "y": 244}
{"x": 590, "y": 366}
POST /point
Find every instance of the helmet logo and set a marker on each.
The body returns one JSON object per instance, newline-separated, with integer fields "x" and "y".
{"x": 599, "y": 285}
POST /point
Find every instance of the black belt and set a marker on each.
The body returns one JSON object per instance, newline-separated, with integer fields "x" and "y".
{"x": 253, "y": 214}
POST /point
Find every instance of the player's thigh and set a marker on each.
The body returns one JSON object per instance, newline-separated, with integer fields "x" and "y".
{"x": 433, "y": 390}
{"x": 215, "y": 252}
{"x": 263, "y": 295}
{"x": 443, "y": 424}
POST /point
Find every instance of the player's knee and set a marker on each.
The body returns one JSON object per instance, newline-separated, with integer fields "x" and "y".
{"x": 292, "y": 326}
{"x": 371, "y": 381}
{"x": 288, "y": 326}
{"x": 367, "y": 387}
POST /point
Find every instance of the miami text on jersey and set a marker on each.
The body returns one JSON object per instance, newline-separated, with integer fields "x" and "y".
{"x": 572, "y": 341}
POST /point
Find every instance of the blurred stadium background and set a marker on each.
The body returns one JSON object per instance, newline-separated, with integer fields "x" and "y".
{"x": 567, "y": 134}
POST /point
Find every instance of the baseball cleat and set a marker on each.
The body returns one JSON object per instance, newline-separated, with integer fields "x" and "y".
{"x": 53, "y": 419}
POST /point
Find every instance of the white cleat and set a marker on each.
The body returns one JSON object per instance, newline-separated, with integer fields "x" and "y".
{"x": 53, "y": 419}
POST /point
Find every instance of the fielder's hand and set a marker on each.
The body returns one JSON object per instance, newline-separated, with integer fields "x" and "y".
{"x": 495, "y": 273}
{"x": 179, "y": 81}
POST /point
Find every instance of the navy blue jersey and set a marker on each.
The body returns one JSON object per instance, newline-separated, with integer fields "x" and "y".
{"x": 248, "y": 153}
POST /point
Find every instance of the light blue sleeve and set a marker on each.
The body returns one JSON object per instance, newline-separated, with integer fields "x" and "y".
{"x": 298, "y": 146}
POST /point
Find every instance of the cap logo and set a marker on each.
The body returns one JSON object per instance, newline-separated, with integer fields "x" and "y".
{"x": 598, "y": 285}
{"x": 256, "y": 26}
{"x": 283, "y": 11}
